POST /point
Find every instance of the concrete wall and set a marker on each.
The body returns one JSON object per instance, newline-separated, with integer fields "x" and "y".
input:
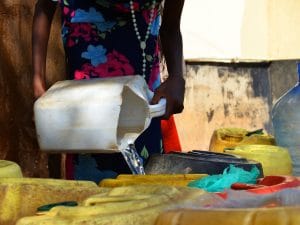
{"x": 230, "y": 95}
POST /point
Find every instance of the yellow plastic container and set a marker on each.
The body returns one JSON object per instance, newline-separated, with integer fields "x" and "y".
{"x": 134, "y": 205}
{"x": 10, "y": 169}
{"x": 151, "y": 179}
{"x": 253, "y": 216}
{"x": 275, "y": 160}
{"x": 21, "y": 197}
{"x": 231, "y": 137}
{"x": 155, "y": 177}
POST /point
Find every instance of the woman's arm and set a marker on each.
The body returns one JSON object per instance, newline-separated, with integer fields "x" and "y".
{"x": 43, "y": 15}
{"x": 174, "y": 87}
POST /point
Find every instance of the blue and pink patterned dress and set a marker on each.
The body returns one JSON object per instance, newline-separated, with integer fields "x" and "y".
{"x": 100, "y": 41}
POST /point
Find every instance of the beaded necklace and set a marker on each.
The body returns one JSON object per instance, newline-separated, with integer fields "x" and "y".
{"x": 143, "y": 42}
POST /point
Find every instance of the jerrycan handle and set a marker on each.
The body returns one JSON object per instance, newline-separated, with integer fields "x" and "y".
{"x": 158, "y": 109}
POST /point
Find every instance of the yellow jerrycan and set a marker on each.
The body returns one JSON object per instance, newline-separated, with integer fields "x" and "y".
{"x": 275, "y": 160}
{"x": 10, "y": 169}
{"x": 230, "y": 137}
{"x": 227, "y": 216}
{"x": 151, "y": 179}
{"x": 134, "y": 205}
{"x": 21, "y": 197}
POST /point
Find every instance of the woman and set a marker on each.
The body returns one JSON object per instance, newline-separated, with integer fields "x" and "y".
{"x": 105, "y": 38}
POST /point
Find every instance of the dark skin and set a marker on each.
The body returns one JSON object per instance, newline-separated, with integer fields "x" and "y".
{"x": 43, "y": 15}
{"x": 172, "y": 89}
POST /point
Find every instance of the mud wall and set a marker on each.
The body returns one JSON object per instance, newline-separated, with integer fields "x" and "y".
{"x": 17, "y": 133}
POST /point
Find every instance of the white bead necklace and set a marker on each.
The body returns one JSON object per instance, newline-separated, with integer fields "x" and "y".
{"x": 143, "y": 42}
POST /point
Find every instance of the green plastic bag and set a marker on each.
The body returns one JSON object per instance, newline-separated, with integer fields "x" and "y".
{"x": 231, "y": 175}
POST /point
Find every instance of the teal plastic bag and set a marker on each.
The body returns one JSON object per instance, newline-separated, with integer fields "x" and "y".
{"x": 231, "y": 175}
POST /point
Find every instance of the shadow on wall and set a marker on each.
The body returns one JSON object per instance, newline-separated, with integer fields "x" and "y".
{"x": 17, "y": 133}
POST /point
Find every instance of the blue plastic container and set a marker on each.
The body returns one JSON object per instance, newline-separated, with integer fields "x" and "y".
{"x": 286, "y": 123}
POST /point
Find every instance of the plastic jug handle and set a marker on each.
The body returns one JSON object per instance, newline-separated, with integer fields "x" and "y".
{"x": 158, "y": 109}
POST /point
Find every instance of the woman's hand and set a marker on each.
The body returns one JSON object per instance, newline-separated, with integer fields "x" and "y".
{"x": 173, "y": 91}
{"x": 173, "y": 88}
{"x": 38, "y": 86}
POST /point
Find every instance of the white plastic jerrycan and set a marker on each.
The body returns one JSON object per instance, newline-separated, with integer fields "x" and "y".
{"x": 98, "y": 115}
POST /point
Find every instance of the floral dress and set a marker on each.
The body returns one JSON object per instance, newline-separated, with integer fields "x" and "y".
{"x": 100, "y": 41}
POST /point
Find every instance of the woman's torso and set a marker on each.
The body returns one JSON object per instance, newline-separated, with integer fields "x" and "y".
{"x": 100, "y": 39}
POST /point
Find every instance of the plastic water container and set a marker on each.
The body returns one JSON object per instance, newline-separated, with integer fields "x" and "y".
{"x": 97, "y": 115}
{"x": 21, "y": 197}
{"x": 132, "y": 205}
{"x": 229, "y": 216}
{"x": 230, "y": 137}
{"x": 275, "y": 160}
{"x": 9, "y": 169}
{"x": 286, "y": 123}
{"x": 151, "y": 179}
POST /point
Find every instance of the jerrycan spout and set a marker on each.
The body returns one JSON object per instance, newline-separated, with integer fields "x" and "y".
{"x": 136, "y": 113}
